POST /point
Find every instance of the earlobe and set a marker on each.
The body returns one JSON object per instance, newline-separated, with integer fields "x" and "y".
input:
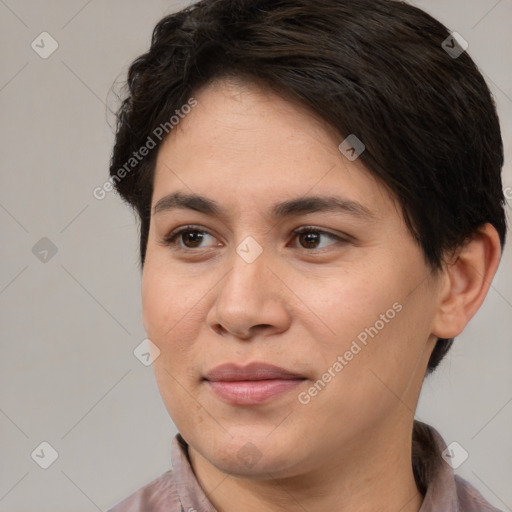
{"x": 467, "y": 279}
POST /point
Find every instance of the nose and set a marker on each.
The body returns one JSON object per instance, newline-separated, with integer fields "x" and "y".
{"x": 251, "y": 299}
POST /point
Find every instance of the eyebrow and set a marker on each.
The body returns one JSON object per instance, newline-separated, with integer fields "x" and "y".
{"x": 288, "y": 208}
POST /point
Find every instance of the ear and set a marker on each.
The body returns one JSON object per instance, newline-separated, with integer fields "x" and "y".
{"x": 467, "y": 279}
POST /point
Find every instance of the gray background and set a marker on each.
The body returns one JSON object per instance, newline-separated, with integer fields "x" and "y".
{"x": 69, "y": 325}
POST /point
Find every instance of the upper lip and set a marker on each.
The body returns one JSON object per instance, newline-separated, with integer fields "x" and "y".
{"x": 254, "y": 371}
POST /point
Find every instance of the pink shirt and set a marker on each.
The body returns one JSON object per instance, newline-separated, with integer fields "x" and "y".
{"x": 178, "y": 490}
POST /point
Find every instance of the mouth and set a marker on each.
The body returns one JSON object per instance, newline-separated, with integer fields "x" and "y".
{"x": 253, "y": 384}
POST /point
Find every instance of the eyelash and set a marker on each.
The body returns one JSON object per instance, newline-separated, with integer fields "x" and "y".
{"x": 171, "y": 239}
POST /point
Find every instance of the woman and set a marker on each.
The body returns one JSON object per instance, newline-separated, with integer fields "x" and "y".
{"x": 319, "y": 190}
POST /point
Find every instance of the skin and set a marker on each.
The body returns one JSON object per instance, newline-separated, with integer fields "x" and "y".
{"x": 299, "y": 305}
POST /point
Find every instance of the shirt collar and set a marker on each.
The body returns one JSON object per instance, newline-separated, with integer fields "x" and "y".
{"x": 191, "y": 494}
{"x": 433, "y": 473}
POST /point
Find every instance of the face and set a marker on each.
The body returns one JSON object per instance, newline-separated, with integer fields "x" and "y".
{"x": 346, "y": 305}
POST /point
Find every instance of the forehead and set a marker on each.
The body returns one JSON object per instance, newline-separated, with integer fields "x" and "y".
{"x": 242, "y": 117}
{"x": 248, "y": 143}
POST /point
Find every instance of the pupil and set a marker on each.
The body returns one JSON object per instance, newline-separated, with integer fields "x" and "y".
{"x": 192, "y": 234}
{"x": 311, "y": 238}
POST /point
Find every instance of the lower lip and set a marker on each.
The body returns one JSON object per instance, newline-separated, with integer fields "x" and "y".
{"x": 251, "y": 392}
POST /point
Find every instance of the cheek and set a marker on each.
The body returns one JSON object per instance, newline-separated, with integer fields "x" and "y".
{"x": 171, "y": 322}
{"x": 165, "y": 298}
{"x": 352, "y": 302}
{"x": 164, "y": 312}
{"x": 379, "y": 317}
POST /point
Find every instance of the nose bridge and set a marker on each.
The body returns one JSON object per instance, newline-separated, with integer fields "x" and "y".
{"x": 247, "y": 296}
{"x": 248, "y": 271}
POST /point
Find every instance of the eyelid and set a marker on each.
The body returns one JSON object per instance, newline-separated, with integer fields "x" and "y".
{"x": 337, "y": 237}
{"x": 302, "y": 229}
{"x": 167, "y": 240}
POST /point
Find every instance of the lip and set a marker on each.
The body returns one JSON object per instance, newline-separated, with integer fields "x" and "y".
{"x": 230, "y": 372}
{"x": 252, "y": 384}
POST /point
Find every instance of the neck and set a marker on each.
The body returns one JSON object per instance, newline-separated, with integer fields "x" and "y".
{"x": 374, "y": 474}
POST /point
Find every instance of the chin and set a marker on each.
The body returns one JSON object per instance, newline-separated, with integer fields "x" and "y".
{"x": 253, "y": 457}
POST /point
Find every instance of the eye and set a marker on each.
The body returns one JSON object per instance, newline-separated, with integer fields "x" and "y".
{"x": 309, "y": 237}
{"x": 191, "y": 236}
